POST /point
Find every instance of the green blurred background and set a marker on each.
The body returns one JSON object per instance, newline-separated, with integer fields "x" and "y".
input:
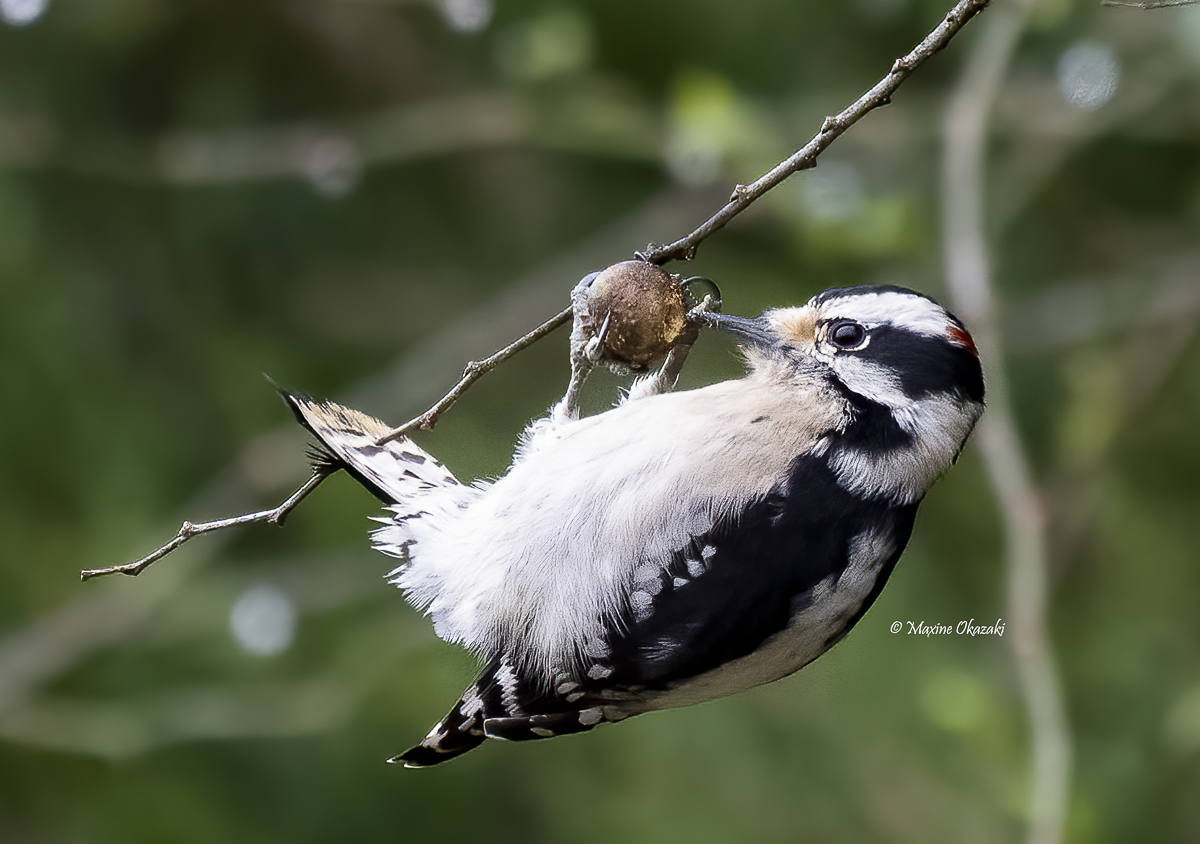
{"x": 358, "y": 196}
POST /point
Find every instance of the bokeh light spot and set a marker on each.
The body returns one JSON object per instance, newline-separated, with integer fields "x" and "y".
{"x": 955, "y": 701}
{"x": 467, "y": 16}
{"x": 263, "y": 621}
{"x": 1088, "y": 73}
{"x": 22, "y": 12}
{"x": 334, "y": 166}
{"x": 557, "y": 42}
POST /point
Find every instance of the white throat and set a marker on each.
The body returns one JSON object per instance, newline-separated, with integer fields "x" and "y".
{"x": 938, "y": 425}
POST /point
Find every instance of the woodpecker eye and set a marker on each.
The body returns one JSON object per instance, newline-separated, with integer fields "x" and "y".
{"x": 846, "y": 334}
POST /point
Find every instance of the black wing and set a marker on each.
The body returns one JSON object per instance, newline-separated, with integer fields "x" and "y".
{"x": 731, "y": 589}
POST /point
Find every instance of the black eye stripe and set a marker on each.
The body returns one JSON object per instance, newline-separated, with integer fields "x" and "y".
{"x": 926, "y": 365}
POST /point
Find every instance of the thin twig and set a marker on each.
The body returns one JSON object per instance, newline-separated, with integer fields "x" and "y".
{"x": 475, "y": 370}
{"x": 969, "y": 281}
{"x": 187, "y": 530}
{"x": 1163, "y": 4}
{"x": 806, "y": 157}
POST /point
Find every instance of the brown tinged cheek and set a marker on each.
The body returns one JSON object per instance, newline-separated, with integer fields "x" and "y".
{"x": 796, "y": 326}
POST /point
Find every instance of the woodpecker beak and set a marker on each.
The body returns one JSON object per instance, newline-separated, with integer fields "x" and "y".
{"x": 753, "y": 332}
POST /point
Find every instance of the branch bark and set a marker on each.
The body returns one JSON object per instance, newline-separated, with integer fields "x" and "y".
{"x": 187, "y": 530}
{"x": 475, "y": 370}
{"x": 1162, "y": 4}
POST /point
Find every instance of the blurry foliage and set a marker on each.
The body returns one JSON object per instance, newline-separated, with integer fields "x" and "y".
{"x": 356, "y": 196}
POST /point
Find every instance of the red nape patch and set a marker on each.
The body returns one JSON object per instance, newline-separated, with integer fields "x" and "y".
{"x": 960, "y": 336}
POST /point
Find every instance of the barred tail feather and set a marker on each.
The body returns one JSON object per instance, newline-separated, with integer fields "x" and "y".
{"x": 395, "y": 472}
{"x": 425, "y": 500}
{"x": 453, "y": 736}
{"x": 503, "y": 704}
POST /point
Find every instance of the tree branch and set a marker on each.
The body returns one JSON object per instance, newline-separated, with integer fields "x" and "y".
{"x": 1162, "y": 4}
{"x": 806, "y": 157}
{"x": 187, "y": 530}
{"x": 683, "y": 249}
{"x": 475, "y": 370}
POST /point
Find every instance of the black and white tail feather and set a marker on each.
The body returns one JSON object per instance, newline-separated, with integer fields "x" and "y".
{"x": 681, "y": 546}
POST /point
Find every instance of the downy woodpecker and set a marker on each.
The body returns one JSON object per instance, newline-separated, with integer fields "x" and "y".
{"x": 681, "y": 546}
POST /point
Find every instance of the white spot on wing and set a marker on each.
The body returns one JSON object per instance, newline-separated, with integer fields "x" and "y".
{"x": 471, "y": 703}
{"x": 507, "y": 678}
{"x": 644, "y": 572}
{"x": 590, "y": 717}
{"x": 596, "y": 649}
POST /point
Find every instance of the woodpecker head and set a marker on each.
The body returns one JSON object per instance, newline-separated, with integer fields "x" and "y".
{"x": 908, "y": 369}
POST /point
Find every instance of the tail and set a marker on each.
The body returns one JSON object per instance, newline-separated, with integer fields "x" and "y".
{"x": 502, "y": 704}
{"x": 425, "y": 504}
{"x": 461, "y": 730}
{"x": 425, "y": 498}
{"x": 395, "y": 472}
